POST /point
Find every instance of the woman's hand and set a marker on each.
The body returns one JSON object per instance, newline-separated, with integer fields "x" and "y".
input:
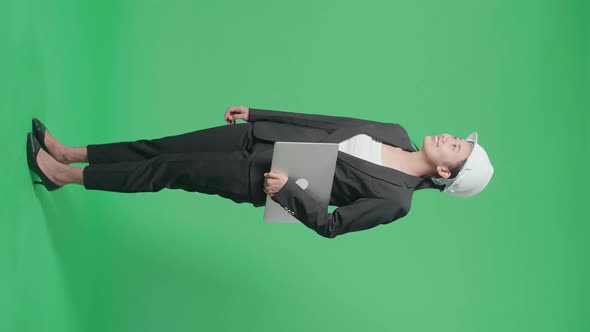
{"x": 236, "y": 112}
{"x": 273, "y": 182}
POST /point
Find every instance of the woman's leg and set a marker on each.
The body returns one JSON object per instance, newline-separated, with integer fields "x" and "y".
{"x": 215, "y": 173}
{"x": 227, "y": 174}
{"x": 223, "y": 173}
{"x": 224, "y": 138}
{"x": 238, "y": 135}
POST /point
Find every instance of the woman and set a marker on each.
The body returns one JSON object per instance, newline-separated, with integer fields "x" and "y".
{"x": 377, "y": 169}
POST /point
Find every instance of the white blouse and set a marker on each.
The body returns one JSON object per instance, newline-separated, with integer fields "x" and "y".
{"x": 364, "y": 147}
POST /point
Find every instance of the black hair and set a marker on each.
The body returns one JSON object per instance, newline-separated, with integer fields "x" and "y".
{"x": 427, "y": 182}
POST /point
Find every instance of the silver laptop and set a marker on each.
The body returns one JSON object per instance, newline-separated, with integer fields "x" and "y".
{"x": 313, "y": 166}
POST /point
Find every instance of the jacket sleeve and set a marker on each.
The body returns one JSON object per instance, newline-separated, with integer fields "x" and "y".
{"x": 364, "y": 213}
{"x": 303, "y": 119}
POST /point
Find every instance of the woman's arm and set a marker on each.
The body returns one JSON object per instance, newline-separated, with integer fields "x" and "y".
{"x": 303, "y": 119}
{"x": 363, "y": 214}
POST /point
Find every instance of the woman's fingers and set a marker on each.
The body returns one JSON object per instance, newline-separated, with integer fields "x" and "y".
{"x": 237, "y": 112}
{"x": 267, "y": 185}
{"x": 232, "y": 114}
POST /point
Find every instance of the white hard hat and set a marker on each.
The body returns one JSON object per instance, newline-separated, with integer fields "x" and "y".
{"x": 473, "y": 177}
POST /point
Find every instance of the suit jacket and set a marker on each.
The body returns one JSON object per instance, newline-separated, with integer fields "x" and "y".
{"x": 366, "y": 194}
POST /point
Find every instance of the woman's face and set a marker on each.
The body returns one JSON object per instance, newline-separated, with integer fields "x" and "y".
{"x": 445, "y": 151}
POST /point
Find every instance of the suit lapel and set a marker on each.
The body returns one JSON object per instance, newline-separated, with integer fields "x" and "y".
{"x": 392, "y": 134}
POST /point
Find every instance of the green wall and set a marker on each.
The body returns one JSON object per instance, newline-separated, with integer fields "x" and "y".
{"x": 513, "y": 258}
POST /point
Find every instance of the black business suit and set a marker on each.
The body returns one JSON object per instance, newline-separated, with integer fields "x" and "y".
{"x": 366, "y": 194}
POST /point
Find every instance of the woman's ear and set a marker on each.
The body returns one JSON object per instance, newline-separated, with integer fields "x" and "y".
{"x": 444, "y": 172}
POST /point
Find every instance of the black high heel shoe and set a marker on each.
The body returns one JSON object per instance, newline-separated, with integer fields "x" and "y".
{"x": 33, "y": 148}
{"x": 39, "y": 132}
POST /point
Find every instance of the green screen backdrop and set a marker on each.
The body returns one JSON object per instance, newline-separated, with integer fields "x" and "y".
{"x": 513, "y": 258}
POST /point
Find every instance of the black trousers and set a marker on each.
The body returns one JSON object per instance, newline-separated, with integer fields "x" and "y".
{"x": 214, "y": 161}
